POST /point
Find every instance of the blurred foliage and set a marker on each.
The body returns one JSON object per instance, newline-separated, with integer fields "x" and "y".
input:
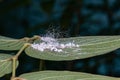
{"x": 19, "y": 18}
{"x": 11, "y": 5}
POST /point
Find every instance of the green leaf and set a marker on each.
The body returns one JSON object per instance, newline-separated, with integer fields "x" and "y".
{"x": 5, "y": 65}
{"x": 89, "y": 46}
{"x": 7, "y": 43}
{"x": 63, "y": 75}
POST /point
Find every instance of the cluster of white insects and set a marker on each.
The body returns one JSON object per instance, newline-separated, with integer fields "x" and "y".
{"x": 49, "y": 43}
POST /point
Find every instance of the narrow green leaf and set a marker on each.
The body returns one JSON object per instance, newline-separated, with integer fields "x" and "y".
{"x": 5, "y": 66}
{"x": 89, "y": 46}
{"x": 63, "y": 75}
{"x": 10, "y": 43}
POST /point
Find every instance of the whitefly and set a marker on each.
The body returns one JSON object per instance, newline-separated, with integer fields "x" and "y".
{"x": 52, "y": 44}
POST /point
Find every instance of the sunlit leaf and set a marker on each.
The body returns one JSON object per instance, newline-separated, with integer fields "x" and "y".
{"x": 5, "y": 66}
{"x": 89, "y": 46}
{"x": 63, "y": 75}
{"x": 10, "y": 43}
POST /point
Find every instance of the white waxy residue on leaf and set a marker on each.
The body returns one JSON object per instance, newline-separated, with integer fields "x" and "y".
{"x": 49, "y": 43}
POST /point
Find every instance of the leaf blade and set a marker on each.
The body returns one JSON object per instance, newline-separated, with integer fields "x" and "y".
{"x": 63, "y": 75}
{"x": 5, "y": 66}
{"x": 88, "y": 47}
{"x": 7, "y": 43}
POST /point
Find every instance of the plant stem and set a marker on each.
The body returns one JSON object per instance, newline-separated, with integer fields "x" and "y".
{"x": 22, "y": 49}
{"x": 41, "y": 67}
{"x": 31, "y": 40}
{"x": 14, "y": 67}
{"x": 15, "y": 58}
{"x": 35, "y": 37}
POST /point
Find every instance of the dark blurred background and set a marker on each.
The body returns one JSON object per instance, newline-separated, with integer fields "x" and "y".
{"x": 20, "y": 18}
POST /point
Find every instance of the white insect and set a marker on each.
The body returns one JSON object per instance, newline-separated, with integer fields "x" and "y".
{"x": 52, "y": 44}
